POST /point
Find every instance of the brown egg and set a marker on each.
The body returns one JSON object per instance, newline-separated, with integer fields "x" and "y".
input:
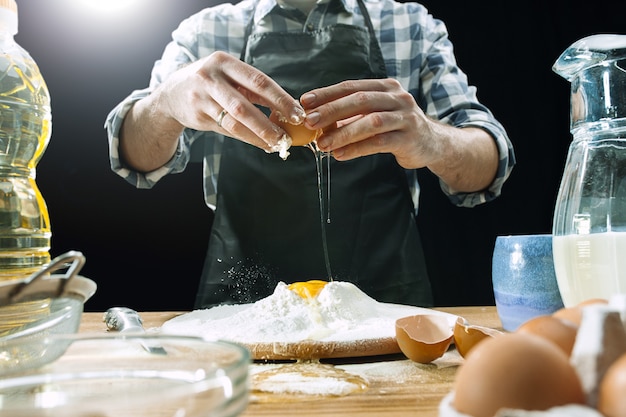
{"x": 466, "y": 336}
{"x": 574, "y": 314}
{"x": 612, "y": 390}
{"x": 559, "y": 331}
{"x": 593, "y": 301}
{"x": 423, "y": 338}
{"x": 514, "y": 370}
{"x": 300, "y": 135}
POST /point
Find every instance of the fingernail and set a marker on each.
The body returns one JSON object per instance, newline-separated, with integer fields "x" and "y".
{"x": 312, "y": 118}
{"x": 307, "y": 99}
{"x": 297, "y": 116}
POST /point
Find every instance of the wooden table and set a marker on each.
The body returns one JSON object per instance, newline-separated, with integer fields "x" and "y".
{"x": 396, "y": 386}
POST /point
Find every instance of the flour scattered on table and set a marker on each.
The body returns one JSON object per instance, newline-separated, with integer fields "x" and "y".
{"x": 340, "y": 312}
{"x": 306, "y": 378}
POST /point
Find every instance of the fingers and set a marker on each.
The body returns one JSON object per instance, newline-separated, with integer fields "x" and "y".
{"x": 222, "y": 93}
{"x": 249, "y": 124}
{"x": 372, "y": 116}
{"x": 370, "y": 134}
{"x": 237, "y": 88}
{"x": 350, "y": 98}
{"x": 331, "y": 93}
{"x": 258, "y": 88}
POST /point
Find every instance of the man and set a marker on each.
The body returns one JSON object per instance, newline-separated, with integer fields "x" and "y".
{"x": 379, "y": 78}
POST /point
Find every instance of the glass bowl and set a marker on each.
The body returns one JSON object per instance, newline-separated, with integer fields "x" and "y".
{"x": 27, "y": 347}
{"x": 120, "y": 375}
{"x": 41, "y": 305}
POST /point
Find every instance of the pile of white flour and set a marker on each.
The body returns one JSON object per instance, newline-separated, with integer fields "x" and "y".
{"x": 340, "y": 312}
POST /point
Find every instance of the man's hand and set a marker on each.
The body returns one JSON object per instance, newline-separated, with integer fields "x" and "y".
{"x": 218, "y": 88}
{"x": 378, "y": 116}
{"x": 196, "y": 96}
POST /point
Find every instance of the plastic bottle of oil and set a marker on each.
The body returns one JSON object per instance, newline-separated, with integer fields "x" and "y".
{"x": 25, "y": 129}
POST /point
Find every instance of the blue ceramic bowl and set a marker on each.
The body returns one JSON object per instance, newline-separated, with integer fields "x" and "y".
{"x": 524, "y": 282}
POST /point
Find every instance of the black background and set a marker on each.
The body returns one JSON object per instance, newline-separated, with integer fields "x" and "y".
{"x": 145, "y": 248}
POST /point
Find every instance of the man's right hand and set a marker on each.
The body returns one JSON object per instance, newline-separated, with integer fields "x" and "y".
{"x": 195, "y": 97}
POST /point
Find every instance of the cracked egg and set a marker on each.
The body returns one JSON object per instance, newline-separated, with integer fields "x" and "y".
{"x": 424, "y": 338}
{"x": 300, "y": 134}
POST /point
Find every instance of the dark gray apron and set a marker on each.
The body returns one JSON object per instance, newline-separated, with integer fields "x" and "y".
{"x": 267, "y": 225}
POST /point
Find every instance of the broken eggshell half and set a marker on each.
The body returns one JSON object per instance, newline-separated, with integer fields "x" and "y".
{"x": 466, "y": 335}
{"x": 423, "y": 338}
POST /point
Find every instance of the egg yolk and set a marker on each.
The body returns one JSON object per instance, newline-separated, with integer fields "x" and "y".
{"x": 307, "y": 289}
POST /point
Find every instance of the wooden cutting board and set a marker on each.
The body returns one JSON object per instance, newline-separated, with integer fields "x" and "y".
{"x": 319, "y": 349}
{"x": 312, "y": 349}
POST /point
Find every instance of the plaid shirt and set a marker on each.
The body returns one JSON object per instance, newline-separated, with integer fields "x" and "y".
{"x": 415, "y": 47}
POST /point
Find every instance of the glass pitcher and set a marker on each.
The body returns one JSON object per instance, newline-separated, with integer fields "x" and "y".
{"x": 589, "y": 225}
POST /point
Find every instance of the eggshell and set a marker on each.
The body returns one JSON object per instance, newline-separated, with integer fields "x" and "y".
{"x": 466, "y": 335}
{"x": 612, "y": 390}
{"x": 518, "y": 371}
{"x": 423, "y": 338}
{"x": 300, "y": 135}
{"x": 559, "y": 331}
{"x": 574, "y": 314}
{"x": 593, "y": 301}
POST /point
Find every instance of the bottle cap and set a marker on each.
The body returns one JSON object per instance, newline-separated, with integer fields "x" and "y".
{"x": 8, "y": 15}
{"x": 9, "y": 4}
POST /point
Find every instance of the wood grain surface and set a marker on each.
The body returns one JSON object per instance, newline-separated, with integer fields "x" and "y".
{"x": 395, "y": 387}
